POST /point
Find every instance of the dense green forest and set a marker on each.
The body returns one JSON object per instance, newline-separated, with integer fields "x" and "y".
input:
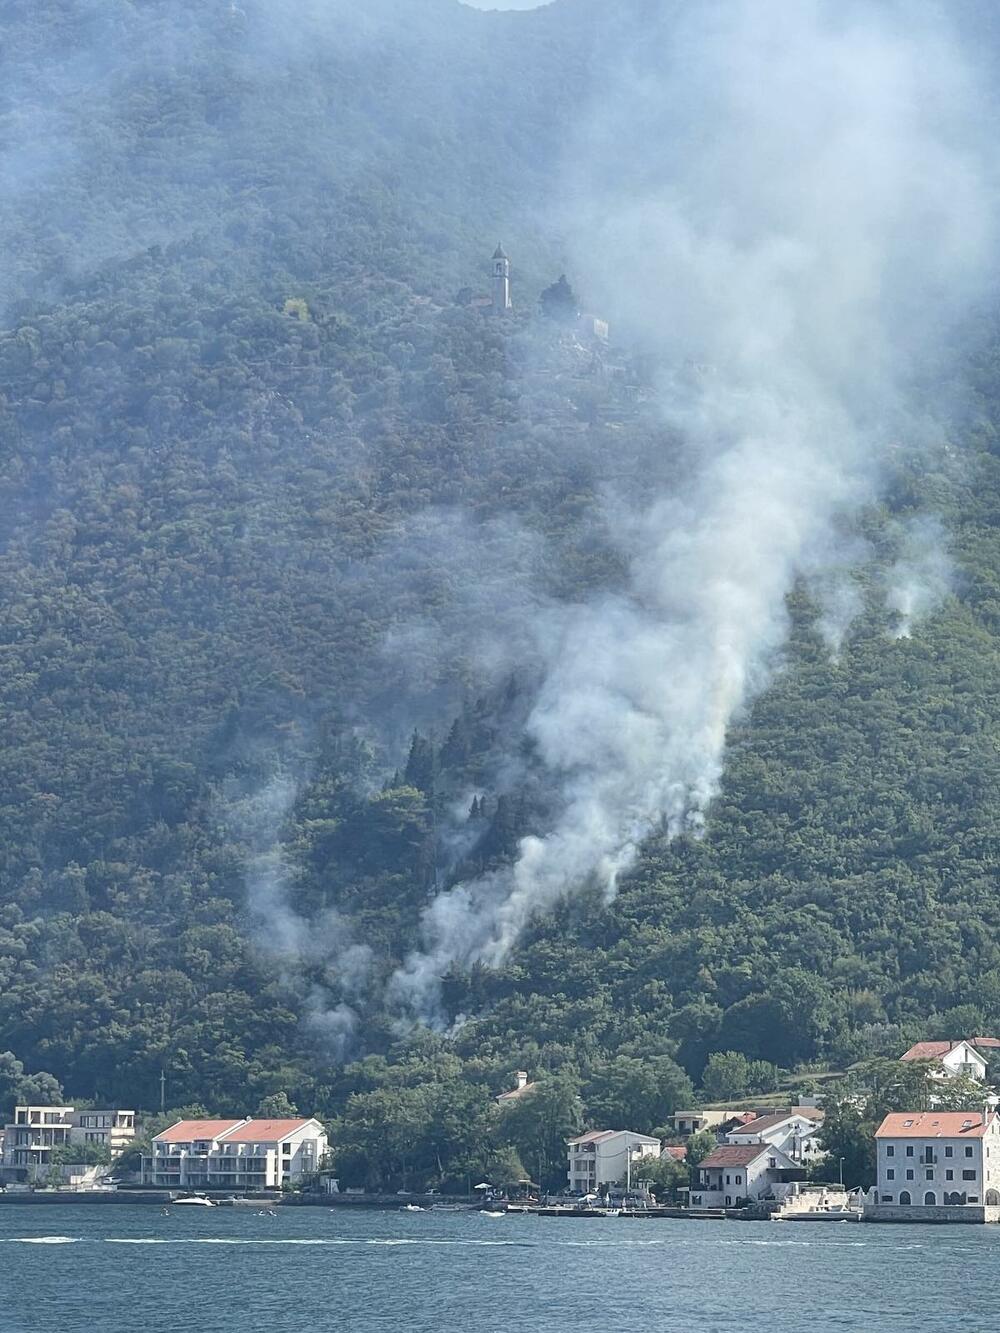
{"x": 275, "y": 495}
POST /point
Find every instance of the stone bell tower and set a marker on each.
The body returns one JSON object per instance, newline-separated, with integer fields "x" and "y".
{"x": 501, "y": 282}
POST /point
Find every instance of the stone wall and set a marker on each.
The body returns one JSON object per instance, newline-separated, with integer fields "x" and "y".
{"x": 975, "y": 1213}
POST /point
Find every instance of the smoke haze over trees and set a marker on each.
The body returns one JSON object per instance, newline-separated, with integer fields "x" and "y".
{"x": 367, "y": 657}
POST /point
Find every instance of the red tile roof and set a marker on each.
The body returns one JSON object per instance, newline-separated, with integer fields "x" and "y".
{"x": 266, "y": 1131}
{"x": 735, "y": 1154}
{"x": 934, "y": 1050}
{"x": 987, "y": 1043}
{"x": 186, "y": 1131}
{"x": 674, "y": 1151}
{"x": 933, "y": 1125}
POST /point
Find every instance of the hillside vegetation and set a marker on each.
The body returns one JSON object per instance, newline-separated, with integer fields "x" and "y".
{"x": 271, "y": 495}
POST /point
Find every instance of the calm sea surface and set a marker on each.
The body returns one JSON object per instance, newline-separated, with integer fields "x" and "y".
{"x": 129, "y": 1269}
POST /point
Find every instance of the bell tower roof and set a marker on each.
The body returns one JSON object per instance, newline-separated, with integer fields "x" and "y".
{"x": 500, "y": 252}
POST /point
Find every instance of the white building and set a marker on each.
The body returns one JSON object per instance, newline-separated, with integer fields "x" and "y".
{"x": 931, "y": 1158}
{"x": 951, "y": 1058}
{"x": 793, "y": 1132}
{"x": 29, "y": 1139}
{"x": 737, "y": 1172}
{"x": 687, "y": 1123}
{"x": 235, "y": 1154}
{"x": 607, "y": 1157}
{"x": 501, "y": 298}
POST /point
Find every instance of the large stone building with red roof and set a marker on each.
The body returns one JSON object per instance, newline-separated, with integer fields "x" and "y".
{"x": 934, "y": 1159}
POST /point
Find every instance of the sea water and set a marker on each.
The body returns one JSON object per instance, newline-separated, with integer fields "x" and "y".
{"x": 130, "y": 1269}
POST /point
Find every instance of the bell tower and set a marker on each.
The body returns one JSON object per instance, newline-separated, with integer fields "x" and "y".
{"x": 501, "y": 282}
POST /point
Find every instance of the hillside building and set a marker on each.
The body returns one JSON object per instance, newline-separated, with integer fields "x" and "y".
{"x": 523, "y": 1087}
{"x": 502, "y": 302}
{"x": 792, "y": 1132}
{"x": 954, "y": 1058}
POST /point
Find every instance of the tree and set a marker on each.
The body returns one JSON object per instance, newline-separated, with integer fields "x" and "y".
{"x": 81, "y": 1154}
{"x": 276, "y": 1107}
{"x": 664, "y": 1174}
{"x": 699, "y": 1146}
{"x": 559, "y": 301}
{"x": 19, "y": 1088}
{"x": 630, "y": 1092}
{"x": 540, "y": 1123}
{"x": 727, "y": 1075}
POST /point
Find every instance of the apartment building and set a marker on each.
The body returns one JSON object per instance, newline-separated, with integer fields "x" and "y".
{"x": 607, "y": 1157}
{"x": 245, "y": 1154}
{"x": 29, "y": 1139}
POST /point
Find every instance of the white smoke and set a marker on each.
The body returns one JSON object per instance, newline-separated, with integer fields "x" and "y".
{"x": 922, "y": 577}
{"x": 787, "y": 194}
{"x": 317, "y": 957}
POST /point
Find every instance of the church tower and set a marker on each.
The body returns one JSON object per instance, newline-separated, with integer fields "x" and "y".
{"x": 501, "y": 282}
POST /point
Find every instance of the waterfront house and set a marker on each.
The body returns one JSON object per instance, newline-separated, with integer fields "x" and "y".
{"x": 793, "y": 1132}
{"x": 932, "y": 1159}
{"x": 607, "y": 1157}
{"x": 951, "y": 1058}
{"x": 35, "y": 1131}
{"x": 243, "y": 1154}
{"x": 736, "y": 1173}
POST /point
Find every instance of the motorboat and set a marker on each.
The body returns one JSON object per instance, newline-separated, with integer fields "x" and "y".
{"x": 193, "y": 1201}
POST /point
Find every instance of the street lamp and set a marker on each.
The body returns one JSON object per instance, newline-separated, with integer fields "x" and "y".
{"x": 842, "y": 1172}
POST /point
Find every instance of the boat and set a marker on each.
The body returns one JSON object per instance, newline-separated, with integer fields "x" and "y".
{"x": 410, "y": 1208}
{"x": 193, "y": 1201}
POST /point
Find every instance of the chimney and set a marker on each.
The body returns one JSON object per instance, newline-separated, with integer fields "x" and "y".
{"x": 522, "y": 1079}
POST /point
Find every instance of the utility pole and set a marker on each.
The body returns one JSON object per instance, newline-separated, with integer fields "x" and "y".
{"x": 163, "y": 1091}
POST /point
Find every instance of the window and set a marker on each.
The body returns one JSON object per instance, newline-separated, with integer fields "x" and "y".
{"x": 949, "y": 1175}
{"x": 890, "y": 1174}
{"x": 772, "y": 1162}
{"x": 890, "y": 1151}
{"x": 909, "y": 1175}
{"x": 968, "y": 1150}
{"x": 929, "y": 1175}
{"x": 909, "y": 1150}
{"x": 949, "y": 1152}
{"x": 738, "y": 1180}
{"x": 968, "y": 1175}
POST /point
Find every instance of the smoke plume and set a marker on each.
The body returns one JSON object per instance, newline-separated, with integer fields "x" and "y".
{"x": 789, "y": 205}
{"x": 318, "y": 958}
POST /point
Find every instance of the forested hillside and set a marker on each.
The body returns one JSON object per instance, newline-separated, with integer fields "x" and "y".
{"x": 275, "y": 499}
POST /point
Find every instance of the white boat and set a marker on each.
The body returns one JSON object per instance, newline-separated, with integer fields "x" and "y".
{"x": 192, "y": 1201}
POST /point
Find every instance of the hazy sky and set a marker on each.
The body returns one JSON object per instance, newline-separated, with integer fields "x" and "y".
{"x": 505, "y": 4}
